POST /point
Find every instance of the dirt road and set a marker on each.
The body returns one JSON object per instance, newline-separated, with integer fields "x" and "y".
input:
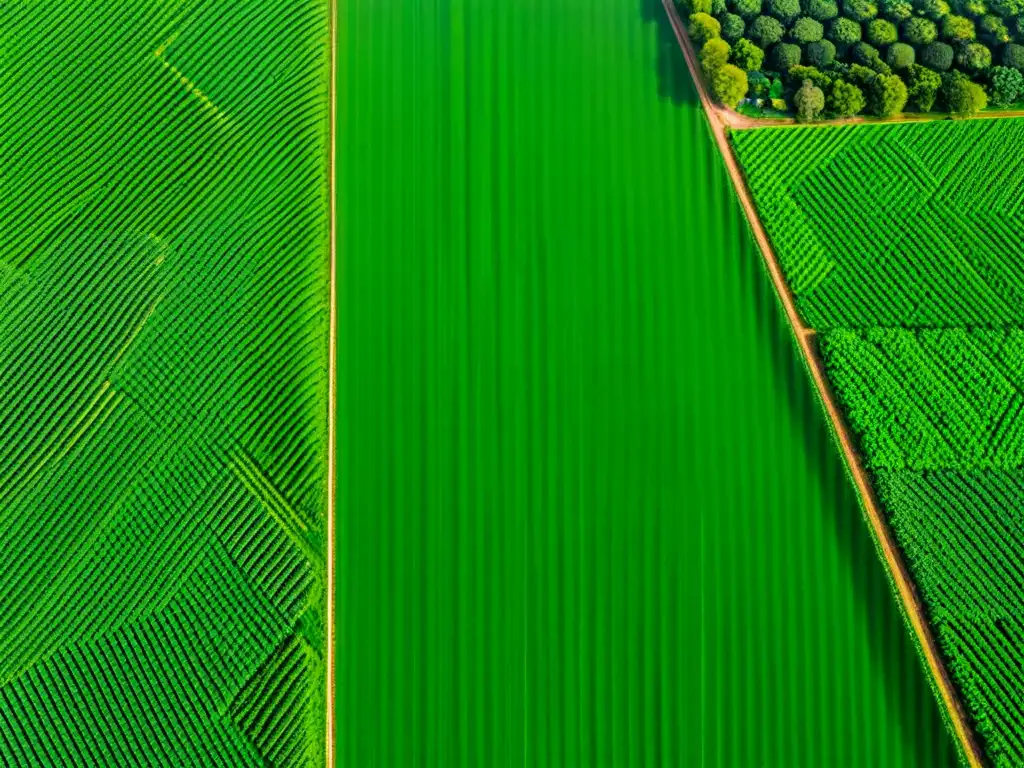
{"x": 720, "y": 119}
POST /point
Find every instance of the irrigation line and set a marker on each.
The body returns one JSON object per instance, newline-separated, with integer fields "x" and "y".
{"x": 898, "y": 571}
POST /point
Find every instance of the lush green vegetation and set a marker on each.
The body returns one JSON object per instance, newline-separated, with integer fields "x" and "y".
{"x": 163, "y": 353}
{"x": 972, "y": 49}
{"x": 902, "y": 246}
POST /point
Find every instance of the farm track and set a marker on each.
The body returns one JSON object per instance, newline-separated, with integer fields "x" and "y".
{"x": 332, "y": 383}
{"x": 719, "y": 119}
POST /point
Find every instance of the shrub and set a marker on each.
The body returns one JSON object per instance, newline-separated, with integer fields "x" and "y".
{"x": 733, "y": 27}
{"x": 809, "y": 101}
{"x": 821, "y": 53}
{"x": 704, "y": 28}
{"x": 898, "y": 10}
{"x": 1013, "y": 56}
{"x": 1007, "y": 85}
{"x": 690, "y": 7}
{"x": 922, "y": 86}
{"x": 933, "y": 9}
{"x": 784, "y": 56}
{"x": 962, "y": 97}
{"x": 757, "y": 85}
{"x": 806, "y": 30}
{"x": 821, "y": 10}
{"x": 860, "y": 10}
{"x": 937, "y": 56}
{"x": 784, "y": 10}
{"x": 714, "y": 55}
{"x": 899, "y": 56}
{"x": 918, "y": 31}
{"x": 888, "y": 95}
{"x": 867, "y": 55}
{"x": 748, "y": 9}
{"x": 766, "y": 31}
{"x": 717, "y": 7}
{"x": 994, "y": 29}
{"x": 957, "y": 28}
{"x": 882, "y": 32}
{"x": 975, "y": 57}
{"x": 747, "y": 56}
{"x": 845, "y": 99}
{"x": 729, "y": 84}
{"x": 844, "y": 31}
{"x": 799, "y": 73}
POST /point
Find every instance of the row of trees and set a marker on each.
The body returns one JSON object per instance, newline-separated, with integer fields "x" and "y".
{"x": 914, "y": 47}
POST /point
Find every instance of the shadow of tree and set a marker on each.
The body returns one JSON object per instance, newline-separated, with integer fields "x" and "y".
{"x": 674, "y": 82}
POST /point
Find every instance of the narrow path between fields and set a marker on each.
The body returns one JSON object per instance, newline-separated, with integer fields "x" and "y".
{"x": 720, "y": 119}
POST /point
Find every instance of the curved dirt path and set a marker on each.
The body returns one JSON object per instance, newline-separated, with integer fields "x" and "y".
{"x": 720, "y": 119}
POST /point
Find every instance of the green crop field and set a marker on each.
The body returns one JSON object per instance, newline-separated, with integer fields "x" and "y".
{"x": 589, "y": 511}
{"x": 901, "y": 243}
{"x": 164, "y": 278}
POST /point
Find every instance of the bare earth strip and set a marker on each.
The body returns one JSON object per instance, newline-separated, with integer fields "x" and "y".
{"x": 719, "y": 119}
{"x": 332, "y": 390}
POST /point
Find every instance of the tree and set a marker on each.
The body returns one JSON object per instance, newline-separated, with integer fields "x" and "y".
{"x": 704, "y": 28}
{"x": 714, "y": 55}
{"x": 882, "y": 32}
{"x": 937, "y": 56}
{"x": 747, "y": 56}
{"x": 962, "y": 97}
{"x": 860, "y": 10}
{"x": 867, "y": 55}
{"x": 900, "y": 56}
{"x": 933, "y": 9}
{"x": 799, "y": 73}
{"x": 809, "y": 101}
{"x": 733, "y": 27}
{"x": 729, "y": 84}
{"x": 845, "y": 99}
{"x": 1007, "y": 85}
{"x": 887, "y": 96}
{"x": 821, "y": 10}
{"x": 922, "y": 86}
{"x": 717, "y": 7}
{"x": 784, "y": 10}
{"x": 806, "y": 30}
{"x": 973, "y": 7}
{"x": 958, "y": 29}
{"x": 844, "y": 31}
{"x": 748, "y": 9}
{"x": 766, "y": 31}
{"x": 918, "y": 31}
{"x": 821, "y": 53}
{"x": 1008, "y": 9}
{"x": 757, "y": 85}
{"x": 994, "y": 28}
{"x": 784, "y": 56}
{"x": 897, "y": 10}
{"x": 691, "y": 7}
{"x": 1013, "y": 56}
{"x": 975, "y": 57}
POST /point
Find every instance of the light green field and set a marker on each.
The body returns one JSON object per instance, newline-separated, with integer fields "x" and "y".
{"x": 163, "y": 369}
{"x": 589, "y": 510}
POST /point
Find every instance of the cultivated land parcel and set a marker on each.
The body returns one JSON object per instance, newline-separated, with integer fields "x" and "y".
{"x": 901, "y": 245}
{"x": 163, "y": 366}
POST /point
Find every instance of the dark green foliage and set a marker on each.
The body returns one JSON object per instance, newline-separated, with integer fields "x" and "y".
{"x": 765, "y": 31}
{"x": 920, "y": 31}
{"x": 784, "y": 10}
{"x": 799, "y": 73}
{"x": 704, "y": 28}
{"x": 844, "y": 31}
{"x": 958, "y": 29}
{"x": 757, "y": 85}
{"x": 748, "y": 9}
{"x": 1007, "y": 85}
{"x": 922, "y": 86}
{"x": 933, "y": 9}
{"x": 867, "y": 55}
{"x": 822, "y": 10}
{"x": 899, "y": 56}
{"x": 821, "y": 53}
{"x": 1007, "y": 8}
{"x": 733, "y": 27}
{"x": 974, "y": 57}
{"x": 860, "y": 10}
{"x": 845, "y": 99}
{"x": 1013, "y": 56}
{"x": 937, "y": 56}
{"x": 961, "y": 96}
{"x": 785, "y": 55}
{"x": 861, "y": 75}
{"x": 994, "y": 29}
{"x": 898, "y": 10}
{"x": 714, "y": 55}
{"x": 806, "y": 30}
{"x": 747, "y": 56}
{"x": 887, "y": 95}
{"x": 882, "y": 32}
{"x": 809, "y": 102}
{"x": 729, "y": 84}
{"x": 717, "y": 7}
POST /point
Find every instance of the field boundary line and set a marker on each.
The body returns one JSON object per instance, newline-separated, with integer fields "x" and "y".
{"x": 332, "y": 379}
{"x": 898, "y": 570}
